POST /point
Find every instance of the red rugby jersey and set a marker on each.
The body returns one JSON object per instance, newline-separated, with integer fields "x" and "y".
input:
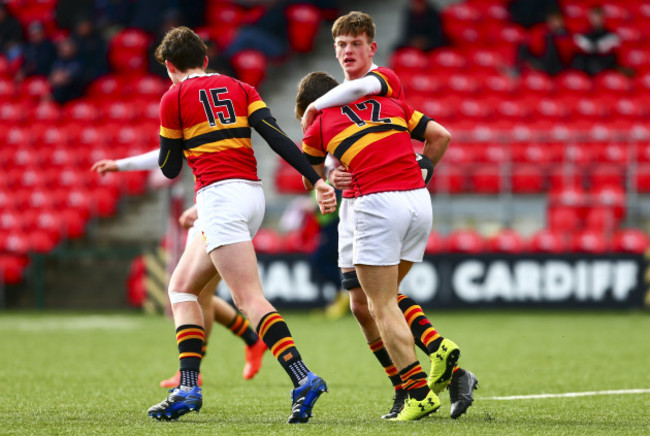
{"x": 390, "y": 87}
{"x": 372, "y": 138}
{"x": 210, "y": 114}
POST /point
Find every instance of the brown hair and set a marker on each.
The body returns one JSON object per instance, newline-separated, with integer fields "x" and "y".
{"x": 183, "y": 48}
{"x": 312, "y": 86}
{"x": 354, "y": 23}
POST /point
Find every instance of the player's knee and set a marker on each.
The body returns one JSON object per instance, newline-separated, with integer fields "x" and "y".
{"x": 360, "y": 310}
{"x": 181, "y": 297}
{"x": 350, "y": 280}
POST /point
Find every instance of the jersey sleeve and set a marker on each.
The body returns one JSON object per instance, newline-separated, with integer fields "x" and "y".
{"x": 170, "y": 158}
{"x": 312, "y": 144}
{"x": 415, "y": 121}
{"x": 256, "y": 109}
{"x": 390, "y": 85}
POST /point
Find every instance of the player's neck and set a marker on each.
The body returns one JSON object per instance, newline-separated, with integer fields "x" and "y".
{"x": 179, "y": 76}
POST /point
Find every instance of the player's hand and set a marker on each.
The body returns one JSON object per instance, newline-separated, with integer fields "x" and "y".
{"x": 340, "y": 178}
{"x": 104, "y": 166}
{"x": 326, "y": 197}
{"x": 187, "y": 218}
{"x": 308, "y": 117}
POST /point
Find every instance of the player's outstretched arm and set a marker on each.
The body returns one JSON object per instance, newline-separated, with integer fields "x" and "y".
{"x": 436, "y": 141}
{"x": 264, "y": 123}
{"x": 144, "y": 161}
{"x": 345, "y": 93}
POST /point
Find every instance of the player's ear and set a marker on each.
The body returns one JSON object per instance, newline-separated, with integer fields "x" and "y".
{"x": 170, "y": 67}
{"x": 205, "y": 63}
{"x": 373, "y": 48}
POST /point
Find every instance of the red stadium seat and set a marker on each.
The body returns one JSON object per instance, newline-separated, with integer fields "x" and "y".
{"x": 549, "y": 241}
{"x": 422, "y": 84}
{"x": 449, "y": 179}
{"x": 635, "y": 58}
{"x": 613, "y": 82}
{"x": 268, "y": 240}
{"x": 150, "y": 86}
{"x": 12, "y": 113}
{"x": 81, "y": 110}
{"x": 250, "y": 66}
{"x": 287, "y": 179}
{"x": 35, "y": 88}
{"x": 46, "y": 112}
{"x": 629, "y": 107}
{"x": 120, "y": 111}
{"x": 463, "y": 84}
{"x": 224, "y": 18}
{"x": 642, "y": 178}
{"x": 590, "y": 241}
{"x": 303, "y": 23}
{"x": 611, "y": 196}
{"x": 465, "y": 241}
{"x": 573, "y": 197}
{"x": 551, "y": 108}
{"x": 574, "y": 82}
{"x": 500, "y": 84}
{"x": 12, "y": 268}
{"x": 630, "y": 241}
{"x": 408, "y": 59}
{"x": 447, "y": 59}
{"x": 561, "y": 177}
{"x": 109, "y": 86}
{"x": 436, "y": 243}
{"x": 486, "y": 179}
{"x": 528, "y": 179}
{"x": 536, "y": 82}
{"x": 606, "y": 175}
{"x": 601, "y": 219}
{"x": 506, "y": 241}
{"x": 474, "y": 109}
{"x": 15, "y": 242}
{"x": 563, "y": 219}
{"x": 7, "y": 89}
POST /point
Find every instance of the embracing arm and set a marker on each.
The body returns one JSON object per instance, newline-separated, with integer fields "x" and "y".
{"x": 345, "y": 93}
{"x": 436, "y": 141}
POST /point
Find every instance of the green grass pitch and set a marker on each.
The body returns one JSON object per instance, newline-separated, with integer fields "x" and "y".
{"x": 98, "y": 373}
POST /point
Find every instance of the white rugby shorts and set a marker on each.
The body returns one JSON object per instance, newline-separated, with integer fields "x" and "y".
{"x": 346, "y": 232}
{"x": 391, "y": 226}
{"x": 230, "y": 211}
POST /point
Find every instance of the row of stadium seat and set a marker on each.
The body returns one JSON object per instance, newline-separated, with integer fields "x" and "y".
{"x": 549, "y": 240}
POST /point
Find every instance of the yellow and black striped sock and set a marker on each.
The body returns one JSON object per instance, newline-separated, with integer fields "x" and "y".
{"x": 419, "y": 324}
{"x": 414, "y": 381}
{"x": 273, "y": 330}
{"x": 242, "y": 328}
{"x": 190, "y": 339}
{"x": 379, "y": 350}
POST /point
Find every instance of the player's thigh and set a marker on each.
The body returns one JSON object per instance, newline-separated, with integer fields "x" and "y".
{"x": 230, "y": 212}
{"x": 414, "y": 241}
{"x": 237, "y": 265}
{"x": 381, "y": 222}
{"x": 379, "y": 282}
{"x": 194, "y": 269}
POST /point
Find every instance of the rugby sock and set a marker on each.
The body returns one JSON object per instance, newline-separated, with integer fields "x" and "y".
{"x": 380, "y": 352}
{"x": 190, "y": 338}
{"x": 242, "y": 328}
{"x": 275, "y": 333}
{"x": 419, "y": 324}
{"x": 414, "y": 381}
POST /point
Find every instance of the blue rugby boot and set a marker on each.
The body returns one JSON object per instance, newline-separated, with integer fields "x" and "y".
{"x": 180, "y": 401}
{"x": 304, "y": 397}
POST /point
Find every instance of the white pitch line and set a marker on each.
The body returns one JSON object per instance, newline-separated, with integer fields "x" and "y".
{"x": 569, "y": 395}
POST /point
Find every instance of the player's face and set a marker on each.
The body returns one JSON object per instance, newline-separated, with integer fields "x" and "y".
{"x": 354, "y": 54}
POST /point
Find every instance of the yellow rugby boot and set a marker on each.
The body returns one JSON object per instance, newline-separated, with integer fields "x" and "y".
{"x": 414, "y": 409}
{"x": 443, "y": 362}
